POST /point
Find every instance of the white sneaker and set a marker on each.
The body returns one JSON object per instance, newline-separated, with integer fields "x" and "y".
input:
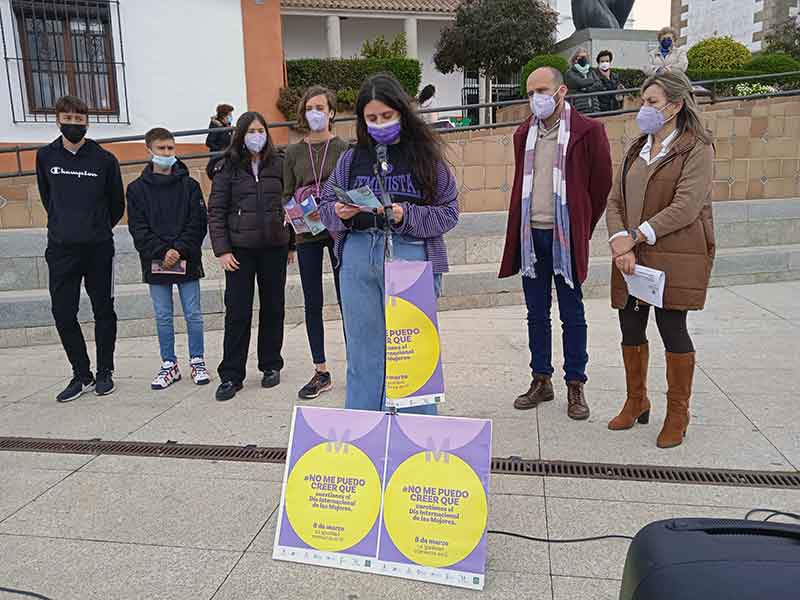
{"x": 199, "y": 371}
{"x": 168, "y": 375}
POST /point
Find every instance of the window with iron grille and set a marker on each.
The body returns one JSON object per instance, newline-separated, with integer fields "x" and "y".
{"x": 66, "y": 47}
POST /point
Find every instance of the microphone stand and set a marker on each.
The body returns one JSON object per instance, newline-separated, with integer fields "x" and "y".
{"x": 381, "y": 170}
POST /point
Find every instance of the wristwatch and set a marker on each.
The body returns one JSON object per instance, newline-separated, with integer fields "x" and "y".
{"x": 636, "y": 236}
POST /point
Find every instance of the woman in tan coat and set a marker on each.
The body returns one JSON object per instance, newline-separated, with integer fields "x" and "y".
{"x": 659, "y": 216}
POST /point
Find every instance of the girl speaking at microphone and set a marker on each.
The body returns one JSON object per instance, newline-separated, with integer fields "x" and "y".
{"x": 424, "y": 208}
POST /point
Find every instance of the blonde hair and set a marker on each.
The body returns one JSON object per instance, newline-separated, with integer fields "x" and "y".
{"x": 578, "y": 51}
{"x": 667, "y": 31}
{"x": 678, "y": 88}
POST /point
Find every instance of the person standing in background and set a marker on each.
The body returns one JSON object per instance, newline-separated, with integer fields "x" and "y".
{"x": 668, "y": 56}
{"x": 80, "y": 185}
{"x": 561, "y": 181}
{"x": 660, "y": 216}
{"x": 609, "y": 80}
{"x": 252, "y": 243}
{"x": 167, "y": 220}
{"x": 307, "y": 166}
{"x": 582, "y": 79}
{"x": 217, "y": 141}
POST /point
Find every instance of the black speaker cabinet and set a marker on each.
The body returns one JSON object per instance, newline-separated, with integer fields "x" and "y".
{"x": 713, "y": 559}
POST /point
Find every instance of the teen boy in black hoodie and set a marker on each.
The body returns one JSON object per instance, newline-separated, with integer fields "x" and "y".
{"x": 168, "y": 222}
{"x": 81, "y": 189}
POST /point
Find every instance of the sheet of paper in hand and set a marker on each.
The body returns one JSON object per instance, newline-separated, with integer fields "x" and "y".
{"x": 178, "y": 268}
{"x": 647, "y": 284}
{"x": 363, "y": 197}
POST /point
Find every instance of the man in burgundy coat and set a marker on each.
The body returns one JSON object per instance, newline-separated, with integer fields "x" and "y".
{"x": 561, "y": 183}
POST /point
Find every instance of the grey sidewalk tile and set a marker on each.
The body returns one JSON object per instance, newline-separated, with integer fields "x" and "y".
{"x": 584, "y": 518}
{"x": 84, "y": 570}
{"x": 216, "y": 514}
{"x": 218, "y": 423}
{"x": 516, "y": 437}
{"x": 185, "y": 469}
{"x": 111, "y": 419}
{"x": 15, "y": 388}
{"x": 671, "y": 493}
{"x": 579, "y": 588}
{"x": 42, "y": 461}
{"x": 257, "y": 576}
{"x": 787, "y": 440}
{"x": 20, "y": 486}
{"x": 704, "y": 446}
{"x": 782, "y": 300}
{"x": 128, "y": 391}
{"x": 516, "y": 485}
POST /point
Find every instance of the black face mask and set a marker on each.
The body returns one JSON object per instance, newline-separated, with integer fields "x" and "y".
{"x": 583, "y": 61}
{"x": 74, "y": 133}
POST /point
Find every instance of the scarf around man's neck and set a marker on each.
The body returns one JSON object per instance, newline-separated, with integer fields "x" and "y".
{"x": 562, "y": 247}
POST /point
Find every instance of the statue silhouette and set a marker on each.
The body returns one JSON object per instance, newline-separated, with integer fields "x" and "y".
{"x": 601, "y": 14}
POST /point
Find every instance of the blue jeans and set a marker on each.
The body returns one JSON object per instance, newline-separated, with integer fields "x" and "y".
{"x": 362, "y": 289}
{"x": 539, "y": 298}
{"x": 162, "y": 304}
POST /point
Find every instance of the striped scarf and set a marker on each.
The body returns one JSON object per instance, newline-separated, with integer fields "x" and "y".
{"x": 562, "y": 249}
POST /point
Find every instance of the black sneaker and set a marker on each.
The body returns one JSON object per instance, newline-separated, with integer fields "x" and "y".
{"x": 76, "y": 388}
{"x": 321, "y": 382}
{"x": 227, "y": 390}
{"x": 271, "y": 379}
{"x": 105, "y": 385}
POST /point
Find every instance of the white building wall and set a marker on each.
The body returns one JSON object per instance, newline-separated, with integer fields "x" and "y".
{"x": 305, "y": 37}
{"x": 175, "y": 78}
{"x": 708, "y": 18}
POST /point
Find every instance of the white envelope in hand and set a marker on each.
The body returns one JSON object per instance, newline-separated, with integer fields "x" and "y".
{"x": 647, "y": 284}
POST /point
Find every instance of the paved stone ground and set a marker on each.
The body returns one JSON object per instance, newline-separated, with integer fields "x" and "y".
{"x": 78, "y": 527}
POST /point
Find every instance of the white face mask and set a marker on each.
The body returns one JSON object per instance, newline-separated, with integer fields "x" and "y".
{"x": 605, "y": 65}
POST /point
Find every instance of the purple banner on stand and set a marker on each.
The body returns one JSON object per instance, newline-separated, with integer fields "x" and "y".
{"x": 401, "y": 495}
{"x": 413, "y": 352}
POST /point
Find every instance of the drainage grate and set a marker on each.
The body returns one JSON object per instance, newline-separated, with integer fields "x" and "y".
{"x": 695, "y": 476}
{"x": 168, "y": 450}
{"x": 500, "y": 466}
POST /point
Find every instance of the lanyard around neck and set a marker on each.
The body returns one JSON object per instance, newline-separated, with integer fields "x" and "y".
{"x": 318, "y": 177}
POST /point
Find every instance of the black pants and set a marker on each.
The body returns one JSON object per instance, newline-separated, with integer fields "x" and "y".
{"x": 310, "y": 258}
{"x": 671, "y": 327}
{"x": 94, "y": 264}
{"x": 267, "y": 266}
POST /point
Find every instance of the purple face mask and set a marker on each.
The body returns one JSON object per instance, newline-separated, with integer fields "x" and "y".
{"x": 255, "y": 142}
{"x": 388, "y": 133}
{"x": 650, "y": 120}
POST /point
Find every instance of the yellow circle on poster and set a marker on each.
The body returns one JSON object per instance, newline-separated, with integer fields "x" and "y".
{"x": 412, "y": 348}
{"x": 435, "y": 511}
{"x": 333, "y": 496}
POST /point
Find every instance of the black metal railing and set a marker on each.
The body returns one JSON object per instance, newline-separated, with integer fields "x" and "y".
{"x": 18, "y": 150}
{"x": 53, "y": 48}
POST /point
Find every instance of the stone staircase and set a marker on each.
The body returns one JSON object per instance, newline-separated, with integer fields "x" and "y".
{"x": 758, "y": 241}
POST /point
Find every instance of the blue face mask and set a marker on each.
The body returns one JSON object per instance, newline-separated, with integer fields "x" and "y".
{"x": 164, "y": 162}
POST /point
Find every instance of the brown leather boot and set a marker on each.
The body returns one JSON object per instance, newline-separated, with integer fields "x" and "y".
{"x": 576, "y": 402}
{"x": 680, "y": 372}
{"x": 541, "y": 390}
{"x": 637, "y": 405}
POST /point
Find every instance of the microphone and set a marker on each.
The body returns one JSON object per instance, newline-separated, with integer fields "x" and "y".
{"x": 380, "y": 150}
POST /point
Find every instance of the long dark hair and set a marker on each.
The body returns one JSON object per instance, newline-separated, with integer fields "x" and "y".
{"x": 421, "y": 146}
{"x": 237, "y": 153}
{"x": 426, "y": 94}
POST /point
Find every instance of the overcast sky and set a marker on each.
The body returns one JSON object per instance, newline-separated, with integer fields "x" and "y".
{"x": 651, "y": 14}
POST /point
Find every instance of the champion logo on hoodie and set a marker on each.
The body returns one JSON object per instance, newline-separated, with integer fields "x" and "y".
{"x": 78, "y": 174}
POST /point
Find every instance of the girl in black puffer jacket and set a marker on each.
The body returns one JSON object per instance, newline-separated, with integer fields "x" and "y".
{"x": 252, "y": 243}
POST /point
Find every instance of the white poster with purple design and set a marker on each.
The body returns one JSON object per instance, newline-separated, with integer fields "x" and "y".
{"x": 400, "y": 495}
{"x": 413, "y": 351}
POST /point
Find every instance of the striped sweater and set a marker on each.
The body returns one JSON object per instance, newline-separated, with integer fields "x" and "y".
{"x": 428, "y": 223}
